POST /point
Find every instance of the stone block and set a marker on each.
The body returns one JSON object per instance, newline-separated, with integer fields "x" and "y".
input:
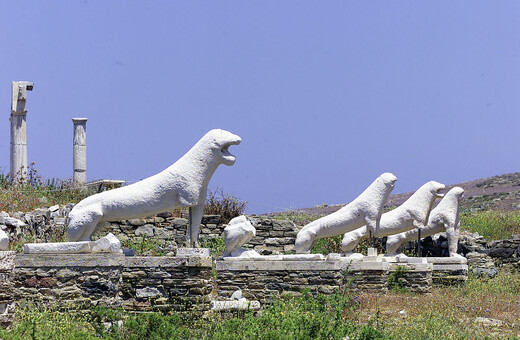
{"x": 149, "y": 292}
{"x": 242, "y": 304}
{"x": 66, "y": 274}
{"x": 7, "y": 260}
{"x": 211, "y": 219}
{"x": 145, "y": 230}
{"x": 137, "y": 222}
{"x": 68, "y": 260}
{"x": 190, "y": 252}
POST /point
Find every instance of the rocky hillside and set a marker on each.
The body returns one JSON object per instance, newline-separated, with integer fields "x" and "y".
{"x": 492, "y": 193}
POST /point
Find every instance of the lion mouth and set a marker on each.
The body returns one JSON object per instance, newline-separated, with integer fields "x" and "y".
{"x": 438, "y": 193}
{"x": 229, "y": 158}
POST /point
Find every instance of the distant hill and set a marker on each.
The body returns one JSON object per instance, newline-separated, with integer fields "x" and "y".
{"x": 492, "y": 193}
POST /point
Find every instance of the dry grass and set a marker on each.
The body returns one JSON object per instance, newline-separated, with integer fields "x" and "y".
{"x": 449, "y": 312}
{"x": 492, "y": 224}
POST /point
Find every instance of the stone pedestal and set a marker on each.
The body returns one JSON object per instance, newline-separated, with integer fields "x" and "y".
{"x": 261, "y": 278}
{"x": 449, "y": 270}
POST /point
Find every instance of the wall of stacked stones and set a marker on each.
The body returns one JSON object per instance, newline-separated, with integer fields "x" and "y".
{"x": 263, "y": 281}
{"x": 173, "y": 283}
{"x": 168, "y": 283}
{"x": 176, "y": 283}
{"x": 7, "y": 291}
{"x": 272, "y": 236}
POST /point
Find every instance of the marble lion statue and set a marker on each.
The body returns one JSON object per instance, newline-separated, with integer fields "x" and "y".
{"x": 444, "y": 217}
{"x": 413, "y": 213}
{"x": 238, "y": 232}
{"x": 364, "y": 210}
{"x": 183, "y": 184}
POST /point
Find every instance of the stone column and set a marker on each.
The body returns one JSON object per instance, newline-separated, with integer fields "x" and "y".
{"x": 18, "y": 130}
{"x": 80, "y": 151}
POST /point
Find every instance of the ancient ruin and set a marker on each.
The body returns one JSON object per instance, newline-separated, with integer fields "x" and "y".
{"x": 411, "y": 214}
{"x": 443, "y": 218}
{"x": 79, "y": 156}
{"x": 183, "y": 184}
{"x": 364, "y": 210}
{"x": 19, "y": 130}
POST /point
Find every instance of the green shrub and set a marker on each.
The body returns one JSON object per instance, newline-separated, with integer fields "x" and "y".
{"x": 396, "y": 279}
{"x": 327, "y": 245}
{"x": 303, "y": 317}
{"x": 216, "y": 245}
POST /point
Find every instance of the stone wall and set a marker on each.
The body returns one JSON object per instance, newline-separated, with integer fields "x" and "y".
{"x": 166, "y": 231}
{"x": 71, "y": 281}
{"x": 272, "y": 236}
{"x": 190, "y": 280}
{"x": 483, "y": 256}
{"x": 167, "y": 283}
{"x": 7, "y": 292}
{"x": 506, "y": 251}
{"x": 448, "y": 270}
{"x": 263, "y": 279}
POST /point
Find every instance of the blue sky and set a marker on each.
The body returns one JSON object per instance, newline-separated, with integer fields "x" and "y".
{"x": 325, "y": 95}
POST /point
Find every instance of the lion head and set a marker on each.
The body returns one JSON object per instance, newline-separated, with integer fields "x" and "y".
{"x": 219, "y": 142}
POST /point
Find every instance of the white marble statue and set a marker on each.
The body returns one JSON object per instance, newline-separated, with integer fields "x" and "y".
{"x": 107, "y": 244}
{"x": 183, "y": 184}
{"x": 238, "y": 232}
{"x": 444, "y": 217}
{"x": 364, "y": 210}
{"x": 413, "y": 213}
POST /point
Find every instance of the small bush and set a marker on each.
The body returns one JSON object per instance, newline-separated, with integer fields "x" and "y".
{"x": 225, "y": 205}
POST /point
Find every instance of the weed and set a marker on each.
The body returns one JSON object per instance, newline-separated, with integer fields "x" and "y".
{"x": 327, "y": 245}
{"x": 225, "y": 205}
{"x": 397, "y": 279}
{"x": 216, "y": 245}
{"x": 144, "y": 246}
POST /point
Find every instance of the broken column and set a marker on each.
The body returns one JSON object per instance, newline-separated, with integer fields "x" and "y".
{"x": 18, "y": 130}
{"x": 80, "y": 151}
